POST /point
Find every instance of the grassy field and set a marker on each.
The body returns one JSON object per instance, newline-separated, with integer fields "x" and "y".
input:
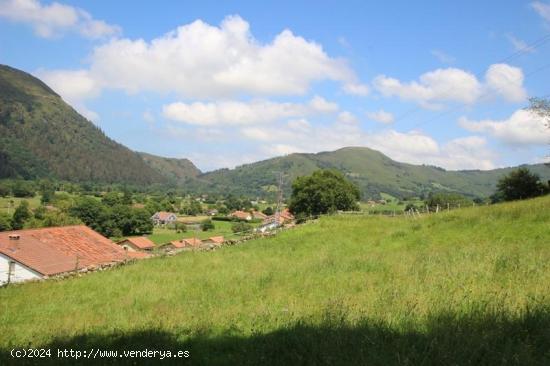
{"x": 466, "y": 287}
{"x": 6, "y": 204}
{"x": 163, "y": 235}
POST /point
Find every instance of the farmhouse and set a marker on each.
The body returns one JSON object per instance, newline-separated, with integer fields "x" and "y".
{"x": 216, "y": 240}
{"x": 137, "y": 243}
{"x": 41, "y": 253}
{"x": 258, "y": 215}
{"x": 242, "y": 215}
{"x": 271, "y": 222}
{"x": 163, "y": 218}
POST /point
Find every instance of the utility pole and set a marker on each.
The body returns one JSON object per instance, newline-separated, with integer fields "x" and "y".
{"x": 279, "y": 195}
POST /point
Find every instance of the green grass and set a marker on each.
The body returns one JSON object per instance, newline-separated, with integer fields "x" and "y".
{"x": 6, "y": 205}
{"x": 466, "y": 287}
{"x": 162, "y": 235}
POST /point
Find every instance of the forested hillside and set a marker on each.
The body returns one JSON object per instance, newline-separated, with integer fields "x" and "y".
{"x": 42, "y": 136}
{"x": 371, "y": 170}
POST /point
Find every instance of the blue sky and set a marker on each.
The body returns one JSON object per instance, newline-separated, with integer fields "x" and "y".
{"x": 227, "y": 83}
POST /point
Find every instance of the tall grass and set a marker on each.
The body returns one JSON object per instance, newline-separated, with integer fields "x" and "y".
{"x": 468, "y": 286}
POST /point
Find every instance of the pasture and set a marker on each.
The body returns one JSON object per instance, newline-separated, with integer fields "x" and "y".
{"x": 469, "y": 286}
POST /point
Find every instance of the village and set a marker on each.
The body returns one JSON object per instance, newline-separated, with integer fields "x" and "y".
{"x": 58, "y": 252}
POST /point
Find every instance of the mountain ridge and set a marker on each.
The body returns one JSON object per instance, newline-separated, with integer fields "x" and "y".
{"x": 41, "y": 136}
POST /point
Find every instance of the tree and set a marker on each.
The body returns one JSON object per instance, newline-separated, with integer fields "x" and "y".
{"x": 241, "y": 227}
{"x": 22, "y": 189}
{"x": 22, "y": 213}
{"x": 325, "y": 191}
{"x": 207, "y": 225}
{"x": 5, "y": 189}
{"x": 5, "y": 222}
{"x": 268, "y": 211}
{"x": 541, "y": 106}
{"x": 519, "y": 184}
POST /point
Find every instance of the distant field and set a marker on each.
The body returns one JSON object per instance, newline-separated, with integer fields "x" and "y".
{"x": 162, "y": 235}
{"x": 6, "y": 204}
{"x": 466, "y": 287}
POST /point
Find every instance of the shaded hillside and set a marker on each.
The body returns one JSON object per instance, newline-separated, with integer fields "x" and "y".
{"x": 178, "y": 170}
{"x": 42, "y": 136}
{"x": 371, "y": 170}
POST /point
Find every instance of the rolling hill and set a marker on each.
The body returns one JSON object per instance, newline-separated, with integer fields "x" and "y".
{"x": 371, "y": 170}
{"x": 177, "y": 170}
{"x": 42, "y": 136}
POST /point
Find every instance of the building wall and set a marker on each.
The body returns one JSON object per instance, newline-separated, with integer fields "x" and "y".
{"x": 19, "y": 273}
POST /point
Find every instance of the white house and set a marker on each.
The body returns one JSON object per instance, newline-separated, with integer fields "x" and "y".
{"x": 163, "y": 218}
{"x": 41, "y": 253}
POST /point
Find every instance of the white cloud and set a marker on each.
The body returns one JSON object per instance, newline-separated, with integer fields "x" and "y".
{"x": 542, "y": 9}
{"x": 455, "y": 85}
{"x": 506, "y": 81}
{"x": 443, "y": 57}
{"x": 356, "y": 89}
{"x": 381, "y": 116}
{"x": 243, "y": 113}
{"x": 521, "y": 128}
{"x": 449, "y": 84}
{"x": 321, "y": 105}
{"x": 346, "y": 117}
{"x": 55, "y": 19}
{"x": 417, "y": 148}
{"x": 198, "y": 60}
{"x": 519, "y": 45}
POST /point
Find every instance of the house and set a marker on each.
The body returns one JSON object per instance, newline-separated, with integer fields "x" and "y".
{"x": 271, "y": 222}
{"x": 40, "y": 253}
{"x": 258, "y": 215}
{"x": 137, "y": 243}
{"x": 163, "y": 218}
{"x": 241, "y": 215}
{"x": 191, "y": 242}
{"x": 216, "y": 240}
{"x": 212, "y": 212}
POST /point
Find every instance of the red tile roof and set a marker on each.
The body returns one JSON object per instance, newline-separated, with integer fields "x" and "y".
{"x": 241, "y": 215}
{"x": 140, "y": 241}
{"x": 177, "y": 244}
{"x": 163, "y": 215}
{"x": 55, "y": 250}
{"x": 191, "y": 242}
{"x": 259, "y": 215}
{"x": 216, "y": 239}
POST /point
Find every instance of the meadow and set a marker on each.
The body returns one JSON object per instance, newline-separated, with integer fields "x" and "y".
{"x": 465, "y": 287}
{"x": 162, "y": 235}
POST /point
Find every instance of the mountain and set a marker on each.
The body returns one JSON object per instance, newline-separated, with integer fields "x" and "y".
{"x": 177, "y": 170}
{"x": 42, "y": 136}
{"x": 371, "y": 170}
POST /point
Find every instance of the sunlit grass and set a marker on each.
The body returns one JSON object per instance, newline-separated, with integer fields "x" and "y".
{"x": 401, "y": 274}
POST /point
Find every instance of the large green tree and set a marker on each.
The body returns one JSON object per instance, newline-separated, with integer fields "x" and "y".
{"x": 324, "y": 191}
{"x": 5, "y": 221}
{"x": 22, "y": 213}
{"x": 519, "y": 184}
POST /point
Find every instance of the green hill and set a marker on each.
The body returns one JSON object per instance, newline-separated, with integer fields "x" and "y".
{"x": 371, "y": 170}
{"x": 178, "y": 170}
{"x": 42, "y": 136}
{"x": 465, "y": 287}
